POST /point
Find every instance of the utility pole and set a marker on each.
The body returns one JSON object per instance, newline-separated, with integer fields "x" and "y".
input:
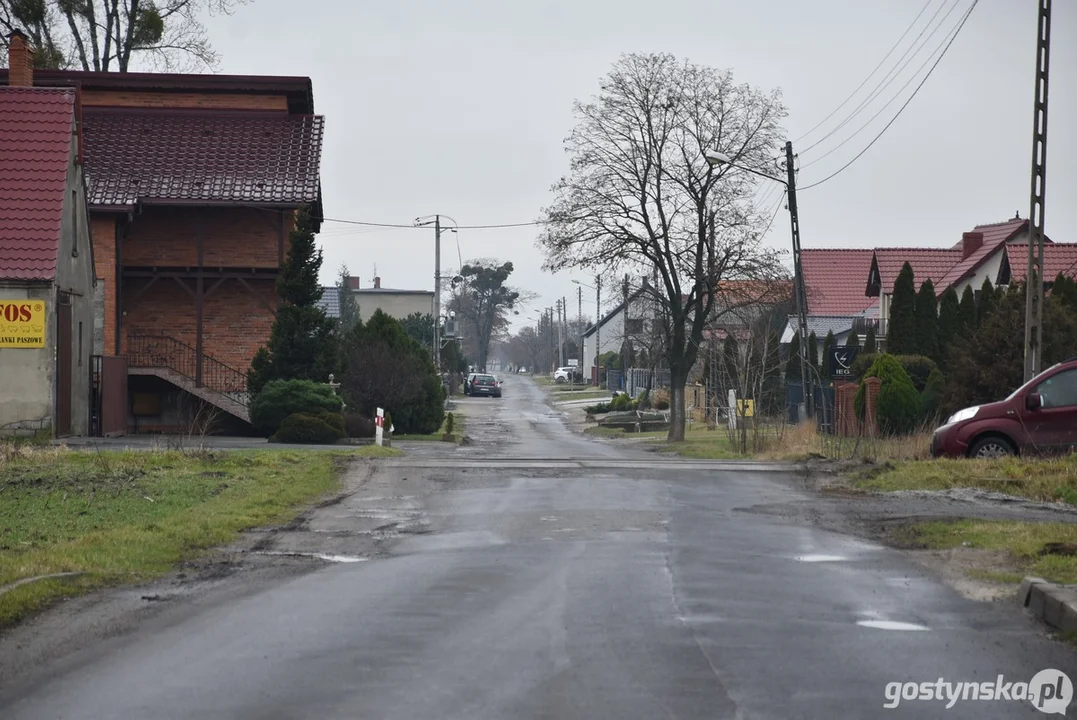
{"x": 798, "y": 283}
{"x": 564, "y": 329}
{"x": 579, "y": 325}
{"x": 437, "y": 293}
{"x": 1034, "y": 278}
{"x": 598, "y": 327}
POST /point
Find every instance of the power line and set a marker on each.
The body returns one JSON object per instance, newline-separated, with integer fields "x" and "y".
{"x": 416, "y": 227}
{"x": 889, "y": 102}
{"x": 894, "y": 72}
{"x": 902, "y": 108}
{"x": 774, "y": 214}
{"x": 870, "y": 75}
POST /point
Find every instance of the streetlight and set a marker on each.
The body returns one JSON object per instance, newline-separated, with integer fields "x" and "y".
{"x": 598, "y": 325}
{"x": 714, "y": 159}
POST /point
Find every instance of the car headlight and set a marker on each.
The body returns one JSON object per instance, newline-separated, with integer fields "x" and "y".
{"x": 962, "y": 415}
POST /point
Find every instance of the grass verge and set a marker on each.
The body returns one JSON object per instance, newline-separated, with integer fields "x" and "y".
{"x": 1043, "y": 479}
{"x": 1024, "y": 541}
{"x": 114, "y": 517}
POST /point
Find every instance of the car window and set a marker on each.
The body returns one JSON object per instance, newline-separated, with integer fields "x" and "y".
{"x": 1059, "y": 390}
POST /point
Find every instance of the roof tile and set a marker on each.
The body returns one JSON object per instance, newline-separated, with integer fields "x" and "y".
{"x": 35, "y": 148}
{"x": 1057, "y": 258}
{"x": 833, "y": 279}
{"x": 926, "y": 263}
{"x": 995, "y": 235}
{"x": 141, "y": 155}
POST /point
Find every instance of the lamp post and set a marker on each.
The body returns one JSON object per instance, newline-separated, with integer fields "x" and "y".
{"x": 715, "y": 158}
{"x": 598, "y": 325}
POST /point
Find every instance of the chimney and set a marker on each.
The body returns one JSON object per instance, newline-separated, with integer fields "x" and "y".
{"x": 377, "y": 283}
{"x": 20, "y": 60}
{"x": 353, "y": 282}
{"x": 970, "y": 243}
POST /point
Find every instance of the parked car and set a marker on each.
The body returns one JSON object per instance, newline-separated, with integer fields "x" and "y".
{"x": 468, "y": 381}
{"x": 1038, "y": 417}
{"x": 485, "y": 385}
{"x": 564, "y": 374}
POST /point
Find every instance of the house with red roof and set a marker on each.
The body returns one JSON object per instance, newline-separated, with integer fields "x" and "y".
{"x": 46, "y": 263}
{"x": 193, "y": 185}
{"x": 839, "y": 302}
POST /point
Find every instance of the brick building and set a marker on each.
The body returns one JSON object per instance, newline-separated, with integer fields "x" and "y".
{"x": 194, "y": 181}
{"x": 46, "y": 261}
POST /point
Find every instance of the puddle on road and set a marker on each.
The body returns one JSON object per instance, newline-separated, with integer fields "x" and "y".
{"x": 317, "y": 556}
{"x": 892, "y": 625}
{"x": 820, "y": 558}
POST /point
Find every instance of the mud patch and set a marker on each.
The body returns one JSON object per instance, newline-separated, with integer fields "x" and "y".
{"x": 971, "y": 571}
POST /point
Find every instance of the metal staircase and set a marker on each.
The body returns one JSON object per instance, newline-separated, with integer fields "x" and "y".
{"x": 178, "y": 363}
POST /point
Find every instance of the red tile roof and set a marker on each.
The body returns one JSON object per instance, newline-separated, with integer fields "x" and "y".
{"x": 834, "y": 280}
{"x": 926, "y": 263}
{"x": 36, "y": 132}
{"x": 162, "y": 155}
{"x": 995, "y": 235}
{"x": 1057, "y": 258}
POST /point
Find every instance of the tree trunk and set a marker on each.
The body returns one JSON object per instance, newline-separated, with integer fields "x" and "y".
{"x": 677, "y": 418}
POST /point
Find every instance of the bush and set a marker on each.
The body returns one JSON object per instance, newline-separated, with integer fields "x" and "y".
{"x": 931, "y": 397}
{"x": 306, "y": 429}
{"x": 918, "y": 367}
{"x": 387, "y": 368}
{"x": 450, "y": 422}
{"x": 898, "y": 404}
{"x": 862, "y": 364}
{"x": 599, "y": 408}
{"x": 622, "y": 402}
{"x": 281, "y": 398}
{"x": 661, "y": 399}
{"x": 333, "y": 419}
{"x": 358, "y": 426}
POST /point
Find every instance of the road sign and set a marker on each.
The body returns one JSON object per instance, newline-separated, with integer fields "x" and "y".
{"x": 379, "y": 429}
{"x": 841, "y": 361}
{"x": 745, "y": 408}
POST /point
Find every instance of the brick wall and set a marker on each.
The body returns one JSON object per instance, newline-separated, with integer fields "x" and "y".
{"x": 235, "y": 323}
{"x": 214, "y": 101}
{"x": 103, "y": 229}
{"x": 233, "y": 237}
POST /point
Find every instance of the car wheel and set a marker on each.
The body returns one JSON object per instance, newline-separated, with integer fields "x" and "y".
{"x": 992, "y": 447}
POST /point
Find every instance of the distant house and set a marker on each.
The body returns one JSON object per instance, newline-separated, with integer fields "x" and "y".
{"x": 623, "y": 322}
{"x": 837, "y": 301}
{"x": 394, "y": 303}
{"x": 193, "y": 186}
{"x": 46, "y": 260}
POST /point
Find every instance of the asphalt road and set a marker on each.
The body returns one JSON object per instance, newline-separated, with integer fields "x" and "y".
{"x": 563, "y": 588}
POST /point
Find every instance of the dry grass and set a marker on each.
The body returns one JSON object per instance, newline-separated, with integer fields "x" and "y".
{"x": 1042, "y": 479}
{"x": 805, "y": 441}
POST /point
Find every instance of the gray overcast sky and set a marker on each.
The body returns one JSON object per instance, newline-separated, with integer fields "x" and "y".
{"x": 460, "y": 108}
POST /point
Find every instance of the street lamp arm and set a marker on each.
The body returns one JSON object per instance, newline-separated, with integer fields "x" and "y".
{"x": 715, "y": 158}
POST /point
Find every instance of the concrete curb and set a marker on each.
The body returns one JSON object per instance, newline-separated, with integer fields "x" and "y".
{"x": 1055, "y": 604}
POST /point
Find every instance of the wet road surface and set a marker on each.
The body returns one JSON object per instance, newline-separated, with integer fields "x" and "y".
{"x": 539, "y": 574}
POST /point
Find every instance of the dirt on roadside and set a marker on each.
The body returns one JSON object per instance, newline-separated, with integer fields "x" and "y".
{"x": 886, "y": 517}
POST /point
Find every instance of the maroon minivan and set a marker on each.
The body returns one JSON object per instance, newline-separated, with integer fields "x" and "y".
{"x": 1038, "y": 417}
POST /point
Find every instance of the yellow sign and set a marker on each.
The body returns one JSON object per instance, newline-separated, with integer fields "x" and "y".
{"x": 746, "y": 408}
{"x": 22, "y": 324}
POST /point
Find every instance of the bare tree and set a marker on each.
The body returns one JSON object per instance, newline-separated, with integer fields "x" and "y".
{"x": 642, "y": 197}
{"x": 105, "y": 35}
